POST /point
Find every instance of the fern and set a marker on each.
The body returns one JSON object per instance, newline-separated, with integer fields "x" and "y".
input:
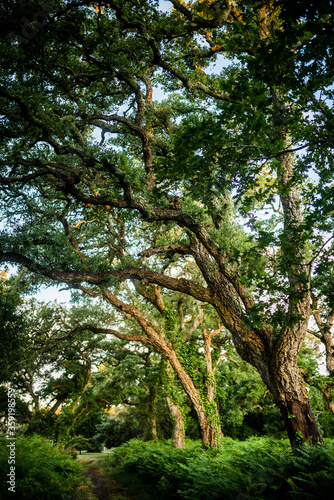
{"x": 259, "y": 468}
{"x": 314, "y": 486}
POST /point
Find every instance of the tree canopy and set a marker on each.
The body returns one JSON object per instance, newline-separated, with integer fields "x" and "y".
{"x": 221, "y": 190}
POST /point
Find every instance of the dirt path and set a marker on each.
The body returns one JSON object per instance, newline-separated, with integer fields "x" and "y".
{"x": 104, "y": 487}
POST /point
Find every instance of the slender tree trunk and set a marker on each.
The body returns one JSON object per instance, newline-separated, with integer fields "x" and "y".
{"x": 207, "y": 426}
{"x": 55, "y": 407}
{"x": 179, "y": 438}
{"x": 325, "y": 389}
{"x": 210, "y": 386}
{"x": 151, "y": 432}
{"x": 154, "y": 430}
{"x": 328, "y": 341}
{"x": 85, "y": 387}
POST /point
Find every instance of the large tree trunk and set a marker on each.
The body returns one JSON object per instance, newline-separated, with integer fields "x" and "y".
{"x": 179, "y": 438}
{"x": 290, "y": 395}
{"x": 300, "y": 423}
{"x": 284, "y": 379}
{"x": 276, "y": 362}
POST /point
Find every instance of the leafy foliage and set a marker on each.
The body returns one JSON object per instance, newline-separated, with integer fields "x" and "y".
{"x": 231, "y": 173}
{"x": 259, "y": 468}
{"x": 41, "y": 470}
{"x": 13, "y": 330}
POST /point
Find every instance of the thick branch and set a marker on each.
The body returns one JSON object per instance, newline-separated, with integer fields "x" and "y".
{"x": 99, "y": 278}
{"x": 176, "y": 248}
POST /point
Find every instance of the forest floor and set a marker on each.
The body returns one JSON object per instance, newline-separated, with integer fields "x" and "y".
{"x": 100, "y": 485}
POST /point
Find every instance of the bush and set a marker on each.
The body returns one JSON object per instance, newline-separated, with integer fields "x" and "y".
{"x": 311, "y": 473}
{"x": 41, "y": 471}
{"x": 256, "y": 469}
{"x": 73, "y": 452}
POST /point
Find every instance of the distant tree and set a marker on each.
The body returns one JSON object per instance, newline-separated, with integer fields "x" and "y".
{"x": 55, "y": 367}
{"x": 13, "y": 331}
{"x": 80, "y": 443}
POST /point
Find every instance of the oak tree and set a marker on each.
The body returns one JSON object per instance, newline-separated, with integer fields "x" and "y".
{"x": 102, "y": 184}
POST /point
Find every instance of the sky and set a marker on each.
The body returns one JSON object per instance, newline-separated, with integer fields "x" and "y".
{"x": 53, "y": 293}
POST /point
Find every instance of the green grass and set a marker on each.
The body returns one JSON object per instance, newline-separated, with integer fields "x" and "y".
{"x": 85, "y": 457}
{"x": 97, "y": 460}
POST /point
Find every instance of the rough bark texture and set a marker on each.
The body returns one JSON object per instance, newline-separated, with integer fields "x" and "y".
{"x": 291, "y": 397}
{"x": 282, "y": 376}
{"x": 325, "y": 333}
{"x": 208, "y": 434}
{"x": 325, "y": 389}
{"x": 300, "y": 423}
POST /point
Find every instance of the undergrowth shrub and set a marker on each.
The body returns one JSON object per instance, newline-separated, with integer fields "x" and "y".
{"x": 41, "y": 471}
{"x": 258, "y": 468}
{"x": 311, "y": 473}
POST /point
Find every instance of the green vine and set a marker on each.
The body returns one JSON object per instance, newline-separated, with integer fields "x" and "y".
{"x": 170, "y": 325}
{"x": 187, "y": 353}
{"x": 174, "y": 390}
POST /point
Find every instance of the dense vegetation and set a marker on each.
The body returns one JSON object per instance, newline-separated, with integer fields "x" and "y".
{"x": 170, "y": 163}
{"x": 41, "y": 471}
{"x": 259, "y": 468}
{"x": 66, "y": 384}
{"x": 216, "y": 197}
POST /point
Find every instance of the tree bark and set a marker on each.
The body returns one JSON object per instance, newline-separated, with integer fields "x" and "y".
{"x": 291, "y": 397}
{"x": 179, "y": 438}
{"x": 151, "y": 432}
{"x": 280, "y": 370}
{"x": 300, "y": 423}
{"x": 325, "y": 389}
{"x": 85, "y": 387}
{"x": 207, "y": 428}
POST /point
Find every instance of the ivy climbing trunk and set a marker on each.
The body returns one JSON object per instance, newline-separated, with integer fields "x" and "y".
{"x": 179, "y": 438}
{"x": 151, "y": 432}
{"x": 209, "y": 434}
{"x": 288, "y": 387}
{"x": 87, "y": 382}
{"x": 206, "y": 423}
